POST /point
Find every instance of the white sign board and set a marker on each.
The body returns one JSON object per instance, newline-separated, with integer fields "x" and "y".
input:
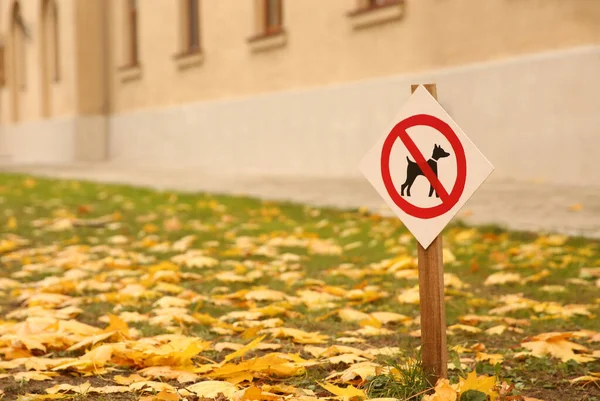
{"x": 425, "y": 167}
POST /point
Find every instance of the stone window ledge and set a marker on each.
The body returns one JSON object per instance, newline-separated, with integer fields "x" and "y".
{"x": 129, "y": 72}
{"x": 366, "y": 17}
{"x": 189, "y": 59}
{"x": 268, "y": 41}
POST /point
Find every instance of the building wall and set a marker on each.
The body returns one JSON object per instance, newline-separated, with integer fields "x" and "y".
{"x": 520, "y": 76}
{"x": 532, "y": 116}
{"x": 323, "y": 48}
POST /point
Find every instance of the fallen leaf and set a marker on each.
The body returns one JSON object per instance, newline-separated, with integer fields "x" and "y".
{"x": 484, "y": 384}
{"x": 347, "y": 393}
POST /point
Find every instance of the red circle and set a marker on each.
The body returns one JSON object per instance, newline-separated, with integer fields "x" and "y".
{"x": 461, "y": 166}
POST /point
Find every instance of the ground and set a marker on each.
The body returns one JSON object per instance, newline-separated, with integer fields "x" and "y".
{"x": 115, "y": 292}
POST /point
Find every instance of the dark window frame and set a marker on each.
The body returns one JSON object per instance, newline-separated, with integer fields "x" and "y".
{"x": 133, "y": 37}
{"x": 373, "y": 5}
{"x": 271, "y": 27}
{"x": 192, "y": 27}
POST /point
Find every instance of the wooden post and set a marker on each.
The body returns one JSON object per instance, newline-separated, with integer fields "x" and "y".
{"x": 433, "y": 309}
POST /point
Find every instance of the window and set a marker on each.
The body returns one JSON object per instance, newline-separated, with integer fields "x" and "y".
{"x": 273, "y": 16}
{"x": 50, "y": 40}
{"x": 192, "y": 26}
{"x": 132, "y": 33}
{"x": 269, "y": 33}
{"x": 379, "y": 3}
{"x": 18, "y": 35}
{"x": 375, "y": 12}
{"x": 2, "y": 67}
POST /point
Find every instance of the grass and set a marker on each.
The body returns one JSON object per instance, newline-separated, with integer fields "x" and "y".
{"x": 405, "y": 381}
{"x": 238, "y": 232}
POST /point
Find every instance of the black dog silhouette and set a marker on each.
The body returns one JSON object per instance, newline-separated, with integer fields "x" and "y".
{"x": 413, "y": 171}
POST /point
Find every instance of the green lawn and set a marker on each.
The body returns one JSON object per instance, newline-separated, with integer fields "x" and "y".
{"x": 210, "y": 272}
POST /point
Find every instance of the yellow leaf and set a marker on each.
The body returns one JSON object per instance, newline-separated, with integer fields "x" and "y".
{"x": 390, "y": 317}
{"x": 245, "y": 349}
{"x": 265, "y": 295}
{"x": 252, "y": 393}
{"x": 348, "y": 392}
{"x": 156, "y": 386}
{"x": 36, "y": 376}
{"x": 352, "y": 315}
{"x": 150, "y": 228}
{"x": 164, "y": 395}
{"x": 464, "y": 327}
{"x": 557, "y": 345}
{"x": 502, "y": 278}
{"x": 128, "y": 379}
{"x": 346, "y": 358}
{"x": 484, "y": 384}
{"x": 299, "y": 336}
{"x": 67, "y": 388}
{"x": 491, "y": 358}
{"x": 589, "y": 379}
{"x": 251, "y": 332}
{"x": 12, "y": 223}
{"x": 409, "y": 296}
{"x": 496, "y": 330}
{"x": 29, "y": 183}
{"x": 172, "y": 224}
{"x": 371, "y": 321}
{"x": 212, "y": 388}
{"x": 443, "y": 392}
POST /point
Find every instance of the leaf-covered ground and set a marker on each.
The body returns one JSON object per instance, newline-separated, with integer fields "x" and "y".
{"x": 119, "y": 293}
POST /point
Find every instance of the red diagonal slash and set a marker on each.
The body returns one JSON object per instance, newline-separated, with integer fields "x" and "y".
{"x": 422, "y": 163}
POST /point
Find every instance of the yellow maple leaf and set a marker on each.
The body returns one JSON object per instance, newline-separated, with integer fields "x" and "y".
{"x": 484, "y": 384}
{"x": 347, "y": 393}
{"x": 557, "y": 345}
{"x": 443, "y": 392}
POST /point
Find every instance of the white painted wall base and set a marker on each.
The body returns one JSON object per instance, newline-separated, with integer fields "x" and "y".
{"x": 534, "y": 117}
{"x": 44, "y": 141}
{"x": 56, "y": 141}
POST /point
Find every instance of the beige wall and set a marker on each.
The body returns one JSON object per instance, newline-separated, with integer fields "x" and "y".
{"x": 510, "y": 71}
{"x": 62, "y": 93}
{"x": 322, "y": 47}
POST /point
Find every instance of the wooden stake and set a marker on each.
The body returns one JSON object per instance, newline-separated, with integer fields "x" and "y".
{"x": 433, "y": 309}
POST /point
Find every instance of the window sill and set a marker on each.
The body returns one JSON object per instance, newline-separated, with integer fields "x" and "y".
{"x": 365, "y": 17}
{"x": 268, "y": 41}
{"x": 189, "y": 59}
{"x": 130, "y": 73}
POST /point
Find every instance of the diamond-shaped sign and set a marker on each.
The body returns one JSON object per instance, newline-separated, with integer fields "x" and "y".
{"x": 425, "y": 167}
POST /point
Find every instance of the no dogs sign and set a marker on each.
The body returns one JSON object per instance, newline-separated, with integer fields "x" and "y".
{"x": 425, "y": 167}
